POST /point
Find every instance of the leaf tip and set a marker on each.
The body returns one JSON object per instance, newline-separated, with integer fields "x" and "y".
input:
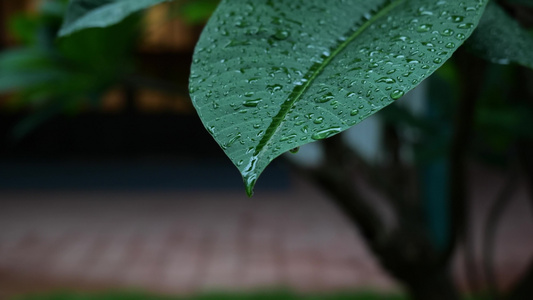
{"x": 250, "y": 174}
{"x": 249, "y": 182}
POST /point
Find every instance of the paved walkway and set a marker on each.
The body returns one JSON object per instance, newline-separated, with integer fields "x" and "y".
{"x": 184, "y": 242}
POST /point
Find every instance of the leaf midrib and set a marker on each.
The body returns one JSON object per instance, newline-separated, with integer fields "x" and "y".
{"x": 301, "y": 90}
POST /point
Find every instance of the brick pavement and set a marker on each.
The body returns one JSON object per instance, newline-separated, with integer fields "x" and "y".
{"x": 184, "y": 242}
{"x": 174, "y": 242}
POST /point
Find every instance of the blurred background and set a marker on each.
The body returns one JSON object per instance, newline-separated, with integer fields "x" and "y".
{"x": 109, "y": 181}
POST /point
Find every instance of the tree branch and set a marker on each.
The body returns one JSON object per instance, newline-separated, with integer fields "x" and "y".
{"x": 332, "y": 177}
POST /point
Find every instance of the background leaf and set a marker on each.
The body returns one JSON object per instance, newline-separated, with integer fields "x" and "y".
{"x": 82, "y": 14}
{"x": 45, "y": 76}
{"x": 197, "y": 11}
{"x": 500, "y": 39}
{"x": 269, "y": 76}
{"x": 522, "y": 2}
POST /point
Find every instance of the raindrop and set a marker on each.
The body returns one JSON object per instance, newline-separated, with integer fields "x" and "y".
{"x": 276, "y": 21}
{"x": 387, "y": 80}
{"x": 325, "y": 98}
{"x": 322, "y": 134}
{"x": 252, "y": 102}
{"x": 318, "y": 120}
{"x": 231, "y": 141}
{"x": 465, "y": 26}
{"x": 457, "y": 19}
{"x": 424, "y": 28}
{"x": 396, "y": 94}
{"x": 288, "y": 137}
{"x": 281, "y": 35}
{"x": 399, "y": 38}
{"x": 294, "y": 150}
{"x": 450, "y": 45}
{"x": 447, "y": 32}
{"x": 274, "y": 88}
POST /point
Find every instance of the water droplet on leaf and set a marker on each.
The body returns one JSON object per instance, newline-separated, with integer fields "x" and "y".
{"x": 281, "y": 35}
{"x": 322, "y": 134}
{"x": 396, "y": 94}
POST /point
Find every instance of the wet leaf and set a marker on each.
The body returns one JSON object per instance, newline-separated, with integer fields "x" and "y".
{"x": 500, "y": 39}
{"x": 82, "y": 14}
{"x": 269, "y": 76}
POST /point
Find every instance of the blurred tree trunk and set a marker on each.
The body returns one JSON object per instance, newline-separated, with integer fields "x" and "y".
{"x": 405, "y": 251}
{"x": 433, "y": 286}
{"x": 523, "y": 289}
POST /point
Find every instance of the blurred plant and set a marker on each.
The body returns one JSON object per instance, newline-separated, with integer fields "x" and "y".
{"x": 47, "y": 75}
{"x": 195, "y": 11}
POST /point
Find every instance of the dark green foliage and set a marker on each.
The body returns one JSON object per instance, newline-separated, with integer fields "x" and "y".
{"x": 50, "y": 75}
{"x": 197, "y": 11}
{"x": 500, "y": 39}
{"x": 83, "y": 14}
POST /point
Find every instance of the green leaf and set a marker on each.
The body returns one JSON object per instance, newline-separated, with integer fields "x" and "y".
{"x": 82, "y": 14}
{"x": 11, "y": 81}
{"x": 269, "y": 76}
{"x": 27, "y": 59}
{"x": 500, "y": 39}
{"x": 26, "y": 67}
